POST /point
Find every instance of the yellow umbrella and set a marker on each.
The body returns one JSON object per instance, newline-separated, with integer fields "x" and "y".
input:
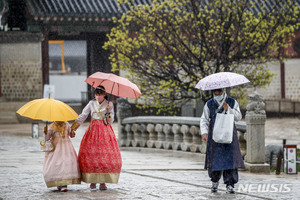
{"x": 48, "y": 109}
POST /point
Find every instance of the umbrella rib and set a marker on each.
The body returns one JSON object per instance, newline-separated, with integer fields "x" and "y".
{"x": 118, "y": 89}
{"x": 100, "y": 83}
{"x": 36, "y": 114}
{"x": 112, "y": 87}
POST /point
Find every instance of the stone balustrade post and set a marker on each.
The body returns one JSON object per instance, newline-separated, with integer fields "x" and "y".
{"x": 187, "y": 138}
{"x": 169, "y": 136}
{"x": 160, "y": 136}
{"x": 196, "y": 144}
{"x": 137, "y": 136}
{"x": 145, "y": 135}
{"x": 255, "y": 136}
{"x": 152, "y": 135}
{"x": 178, "y": 137}
{"x": 129, "y": 135}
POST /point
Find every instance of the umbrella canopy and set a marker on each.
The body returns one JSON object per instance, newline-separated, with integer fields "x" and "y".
{"x": 114, "y": 84}
{"x": 48, "y": 109}
{"x": 221, "y": 80}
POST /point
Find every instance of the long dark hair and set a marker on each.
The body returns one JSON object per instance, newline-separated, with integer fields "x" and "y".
{"x": 100, "y": 90}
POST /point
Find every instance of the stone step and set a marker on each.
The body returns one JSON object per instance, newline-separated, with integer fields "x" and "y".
{"x": 8, "y": 117}
{"x": 8, "y": 113}
{"x": 11, "y": 106}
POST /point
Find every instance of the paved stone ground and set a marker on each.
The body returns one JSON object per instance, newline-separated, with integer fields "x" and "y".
{"x": 146, "y": 173}
{"x": 277, "y": 129}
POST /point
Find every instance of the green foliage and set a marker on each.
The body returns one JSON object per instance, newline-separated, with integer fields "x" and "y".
{"x": 167, "y": 47}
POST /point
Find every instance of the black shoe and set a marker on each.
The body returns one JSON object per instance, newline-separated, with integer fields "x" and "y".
{"x": 64, "y": 188}
{"x": 93, "y": 186}
{"x": 214, "y": 187}
{"x": 230, "y": 189}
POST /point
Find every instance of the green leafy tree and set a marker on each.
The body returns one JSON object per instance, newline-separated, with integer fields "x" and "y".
{"x": 168, "y": 46}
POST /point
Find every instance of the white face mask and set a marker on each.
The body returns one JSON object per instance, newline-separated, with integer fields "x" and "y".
{"x": 99, "y": 98}
{"x": 218, "y": 97}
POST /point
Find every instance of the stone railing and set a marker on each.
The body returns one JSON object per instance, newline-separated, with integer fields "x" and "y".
{"x": 174, "y": 133}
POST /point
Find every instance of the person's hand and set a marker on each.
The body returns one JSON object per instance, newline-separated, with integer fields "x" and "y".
{"x": 75, "y": 126}
{"x": 225, "y": 106}
{"x": 45, "y": 130}
{"x": 107, "y": 108}
{"x": 72, "y": 134}
{"x": 204, "y": 137}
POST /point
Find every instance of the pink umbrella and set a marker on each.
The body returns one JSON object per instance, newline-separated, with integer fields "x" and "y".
{"x": 221, "y": 80}
{"x": 114, "y": 84}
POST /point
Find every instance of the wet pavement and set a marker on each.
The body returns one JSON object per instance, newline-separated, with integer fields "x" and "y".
{"x": 146, "y": 173}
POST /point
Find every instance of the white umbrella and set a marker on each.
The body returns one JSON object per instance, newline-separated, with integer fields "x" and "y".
{"x": 221, "y": 80}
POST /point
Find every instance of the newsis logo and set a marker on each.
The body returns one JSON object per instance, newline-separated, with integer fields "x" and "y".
{"x": 265, "y": 187}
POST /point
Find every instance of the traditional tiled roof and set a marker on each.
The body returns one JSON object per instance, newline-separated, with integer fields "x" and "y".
{"x": 70, "y": 9}
{"x": 106, "y": 9}
{"x": 273, "y": 4}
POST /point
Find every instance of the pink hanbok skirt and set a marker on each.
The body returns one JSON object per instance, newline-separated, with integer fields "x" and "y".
{"x": 99, "y": 154}
{"x": 61, "y": 166}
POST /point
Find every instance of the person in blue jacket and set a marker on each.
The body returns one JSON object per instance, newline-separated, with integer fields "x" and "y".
{"x": 221, "y": 158}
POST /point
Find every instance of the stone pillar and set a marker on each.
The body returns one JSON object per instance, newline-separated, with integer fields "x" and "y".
{"x": 137, "y": 136}
{"x": 152, "y": 136}
{"x": 160, "y": 136}
{"x": 169, "y": 136}
{"x": 187, "y": 138}
{"x": 145, "y": 135}
{"x": 123, "y": 111}
{"x": 255, "y": 136}
{"x": 129, "y": 135}
{"x": 178, "y": 137}
{"x": 195, "y": 131}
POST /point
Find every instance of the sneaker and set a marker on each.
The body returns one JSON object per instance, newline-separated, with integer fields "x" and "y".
{"x": 102, "y": 186}
{"x": 64, "y": 189}
{"x": 93, "y": 186}
{"x": 230, "y": 189}
{"x": 214, "y": 187}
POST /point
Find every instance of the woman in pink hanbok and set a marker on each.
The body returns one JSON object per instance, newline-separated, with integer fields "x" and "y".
{"x": 99, "y": 154}
{"x": 61, "y": 167}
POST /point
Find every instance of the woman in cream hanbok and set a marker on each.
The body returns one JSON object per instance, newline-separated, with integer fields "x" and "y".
{"x": 61, "y": 167}
{"x": 99, "y": 154}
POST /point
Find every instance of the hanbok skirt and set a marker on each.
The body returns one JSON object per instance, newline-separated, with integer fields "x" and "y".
{"x": 99, "y": 154}
{"x": 61, "y": 166}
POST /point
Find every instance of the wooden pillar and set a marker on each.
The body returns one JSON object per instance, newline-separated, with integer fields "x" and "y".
{"x": 0, "y": 84}
{"x": 282, "y": 79}
{"x": 45, "y": 56}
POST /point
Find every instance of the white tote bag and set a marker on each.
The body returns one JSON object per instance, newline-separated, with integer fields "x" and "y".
{"x": 223, "y": 128}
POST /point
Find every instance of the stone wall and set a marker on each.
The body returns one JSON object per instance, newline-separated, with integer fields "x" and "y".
{"x": 20, "y": 66}
{"x": 292, "y": 84}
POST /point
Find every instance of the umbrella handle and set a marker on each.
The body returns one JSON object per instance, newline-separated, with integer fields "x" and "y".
{"x": 45, "y": 131}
